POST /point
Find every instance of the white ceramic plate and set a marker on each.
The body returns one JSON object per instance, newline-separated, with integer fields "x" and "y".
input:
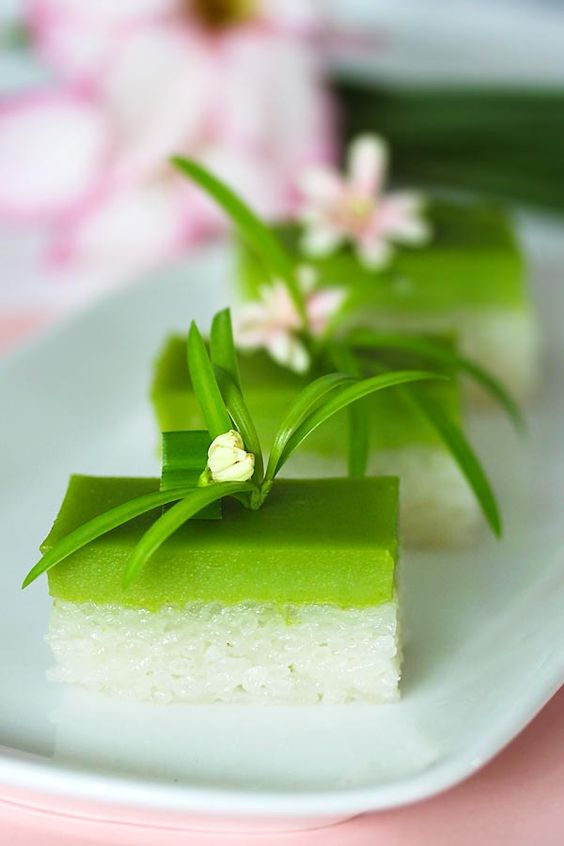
{"x": 485, "y": 629}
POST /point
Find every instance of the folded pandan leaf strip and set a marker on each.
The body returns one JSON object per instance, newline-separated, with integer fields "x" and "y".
{"x": 175, "y": 517}
{"x": 462, "y": 452}
{"x": 346, "y": 395}
{"x": 100, "y": 525}
{"x": 222, "y": 346}
{"x": 253, "y": 230}
{"x": 309, "y": 398}
{"x": 358, "y": 414}
{"x": 184, "y": 459}
{"x": 440, "y": 354}
{"x": 205, "y": 386}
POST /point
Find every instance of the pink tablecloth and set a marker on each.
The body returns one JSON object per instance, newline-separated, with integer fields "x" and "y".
{"x": 517, "y": 800}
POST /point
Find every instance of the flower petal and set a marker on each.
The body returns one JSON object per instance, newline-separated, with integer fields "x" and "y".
{"x": 53, "y": 150}
{"x": 241, "y": 470}
{"x": 321, "y": 186}
{"x": 374, "y": 253}
{"x": 156, "y": 93}
{"x": 252, "y": 176}
{"x": 251, "y": 326}
{"x": 367, "y": 164}
{"x": 107, "y": 12}
{"x": 289, "y": 351}
{"x": 302, "y": 16}
{"x": 321, "y": 240}
{"x": 132, "y": 229}
{"x": 399, "y": 218}
{"x": 269, "y": 100}
{"x": 77, "y": 38}
{"x": 280, "y": 306}
{"x": 322, "y": 306}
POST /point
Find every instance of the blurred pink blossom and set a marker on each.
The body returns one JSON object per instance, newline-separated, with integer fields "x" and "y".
{"x": 138, "y": 81}
{"x": 273, "y": 323}
{"x": 354, "y": 208}
{"x": 78, "y": 37}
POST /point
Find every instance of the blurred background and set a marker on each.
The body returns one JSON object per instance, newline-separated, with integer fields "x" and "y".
{"x": 95, "y": 95}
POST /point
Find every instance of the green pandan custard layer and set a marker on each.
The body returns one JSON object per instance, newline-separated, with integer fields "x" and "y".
{"x": 330, "y": 541}
{"x": 270, "y": 389}
{"x": 472, "y": 261}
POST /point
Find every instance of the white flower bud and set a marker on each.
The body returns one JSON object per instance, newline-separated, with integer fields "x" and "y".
{"x": 227, "y": 459}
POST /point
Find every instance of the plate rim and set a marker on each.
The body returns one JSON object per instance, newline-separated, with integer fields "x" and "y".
{"x": 19, "y": 770}
{"x": 23, "y": 770}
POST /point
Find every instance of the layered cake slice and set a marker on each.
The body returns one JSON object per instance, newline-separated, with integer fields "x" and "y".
{"x": 437, "y": 505}
{"x": 295, "y": 602}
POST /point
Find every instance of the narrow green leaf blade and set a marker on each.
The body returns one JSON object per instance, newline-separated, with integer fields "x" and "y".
{"x": 241, "y": 416}
{"x": 205, "y": 385}
{"x": 256, "y": 233}
{"x": 172, "y": 519}
{"x": 222, "y": 346}
{"x": 305, "y": 402}
{"x": 359, "y": 439}
{"x": 358, "y": 415}
{"x": 101, "y": 524}
{"x": 426, "y": 348}
{"x": 348, "y": 395}
{"x": 463, "y": 454}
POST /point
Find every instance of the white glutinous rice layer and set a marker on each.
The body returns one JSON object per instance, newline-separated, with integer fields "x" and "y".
{"x": 244, "y": 653}
{"x": 437, "y": 506}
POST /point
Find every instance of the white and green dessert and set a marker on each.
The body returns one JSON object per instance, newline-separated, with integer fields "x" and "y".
{"x": 413, "y": 264}
{"x": 222, "y": 582}
{"x": 438, "y": 505}
{"x": 295, "y": 602}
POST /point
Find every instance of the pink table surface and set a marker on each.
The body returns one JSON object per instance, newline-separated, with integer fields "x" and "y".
{"x": 516, "y": 800}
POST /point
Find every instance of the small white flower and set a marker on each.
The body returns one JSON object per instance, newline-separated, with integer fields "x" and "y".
{"x": 354, "y": 208}
{"x": 273, "y": 322}
{"x": 227, "y": 459}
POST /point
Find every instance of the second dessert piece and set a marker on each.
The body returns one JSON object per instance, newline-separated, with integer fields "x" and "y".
{"x": 438, "y": 507}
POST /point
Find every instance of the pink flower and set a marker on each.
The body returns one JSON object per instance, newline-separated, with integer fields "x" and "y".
{"x": 79, "y": 37}
{"x": 141, "y": 80}
{"x": 354, "y": 209}
{"x": 52, "y": 148}
{"x": 273, "y": 322}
